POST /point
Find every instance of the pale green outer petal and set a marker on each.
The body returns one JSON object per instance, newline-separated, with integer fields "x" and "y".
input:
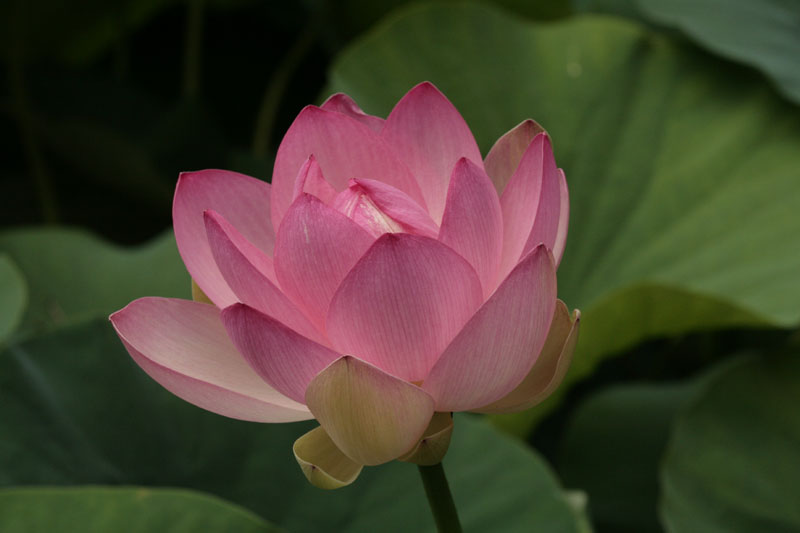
{"x": 325, "y": 466}
{"x": 371, "y": 416}
{"x": 550, "y": 368}
{"x": 434, "y": 443}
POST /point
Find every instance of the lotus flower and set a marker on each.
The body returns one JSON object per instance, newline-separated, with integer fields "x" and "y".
{"x": 388, "y": 277}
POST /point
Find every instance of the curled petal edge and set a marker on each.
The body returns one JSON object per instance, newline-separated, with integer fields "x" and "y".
{"x": 322, "y": 462}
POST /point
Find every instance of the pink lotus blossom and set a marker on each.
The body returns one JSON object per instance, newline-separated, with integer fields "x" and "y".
{"x": 387, "y": 277}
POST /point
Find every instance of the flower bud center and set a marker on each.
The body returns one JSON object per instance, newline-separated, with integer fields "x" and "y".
{"x": 355, "y": 203}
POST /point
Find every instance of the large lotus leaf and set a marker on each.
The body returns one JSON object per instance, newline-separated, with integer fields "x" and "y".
{"x": 74, "y": 409}
{"x": 761, "y": 33}
{"x": 73, "y": 275}
{"x": 612, "y": 450}
{"x": 13, "y": 297}
{"x": 734, "y": 457}
{"x": 121, "y": 510}
{"x": 683, "y": 170}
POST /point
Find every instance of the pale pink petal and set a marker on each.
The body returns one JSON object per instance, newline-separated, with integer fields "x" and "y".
{"x": 316, "y": 248}
{"x": 497, "y": 347}
{"x": 285, "y": 359}
{"x": 183, "y": 346}
{"x": 402, "y": 303}
{"x": 380, "y": 208}
{"x": 504, "y": 157}
{"x": 251, "y": 276}
{"x": 472, "y": 224}
{"x": 354, "y": 203}
{"x": 548, "y": 215}
{"x": 344, "y": 149}
{"x": 550, "y": 368}
{"x": 371, "y": 416}
{"x": 311, "y": 181}
{"x": 242, "y": 200}
{"x": 530, "y": 187}
{"x": 430, "y": 135}
{"x": 563, "y": 218}
{"x": 342, "y": 103}
{"x": 400, "y": 206}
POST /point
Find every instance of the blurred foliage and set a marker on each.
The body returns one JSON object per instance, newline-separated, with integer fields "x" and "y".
{"x": 73, "y": 275}
{"x": 762, "y": 33}
{"x": 129, "y": 510}
{"x": 13, "y": 297}
{"x": 734, "y": 456}
{"x": 683, "y": 170}
{"x": 612, "y": 449}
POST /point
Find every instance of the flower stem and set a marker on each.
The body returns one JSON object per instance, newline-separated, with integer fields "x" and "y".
{"x": 441, "y": 501}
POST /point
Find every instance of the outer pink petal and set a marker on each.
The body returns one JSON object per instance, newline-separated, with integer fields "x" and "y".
{"x": 344, "y": 149}
{"x": 430, "y": 135}
{"x": 401, "y": 207}
{"x": 342, "y": 103}
{"x": 563, "y": 218}
{"x": 251, "y": 276}
{"x": 504, "y": 157}
{"x": 243, "y": 200}
{"x": 402, "y": 303}
{"x": 316, "y": 248}
{"x": 473, "y": 222}
{"x": 548, "y": 215}
{"x": 286, "y": 360}
{"x": 311, "y": 181}
{"x": 183, "y": 346}
{"x": 550, "y": 368}
{"x": 371, "y": 416}
{"x": 498, "y": 346}
{"x": 529, "y": 191}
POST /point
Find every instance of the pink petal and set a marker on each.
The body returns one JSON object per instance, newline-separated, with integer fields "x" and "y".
{"x": 251, "y": 276}
{"x": 183, "y": 346}
{"x": 316, "y": 248}
{"x": 342, "y": 103}
{"x": 380, "y": 208}
{"x": 563, "y": 218}
{"x": 550, "y": 368}
{"x": 533, "y": 188}
{"x": 472, "y": 224}
{"x": 400, "y": 206}
{"x": 371, "y": 416}
{"x": 311, "y": 181}
{"x": 548, "y": 215}
{"x": 344, "y": 149}
{"x": 402, "y": 303}
{"x": 285, "y": 359}
{"x": 504, "y": 157}
{"x": 354, "y": 203}
{"x": 430, "y": 135}
{"x": 243, "y": 200}
{"x": 498, "y": 346}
